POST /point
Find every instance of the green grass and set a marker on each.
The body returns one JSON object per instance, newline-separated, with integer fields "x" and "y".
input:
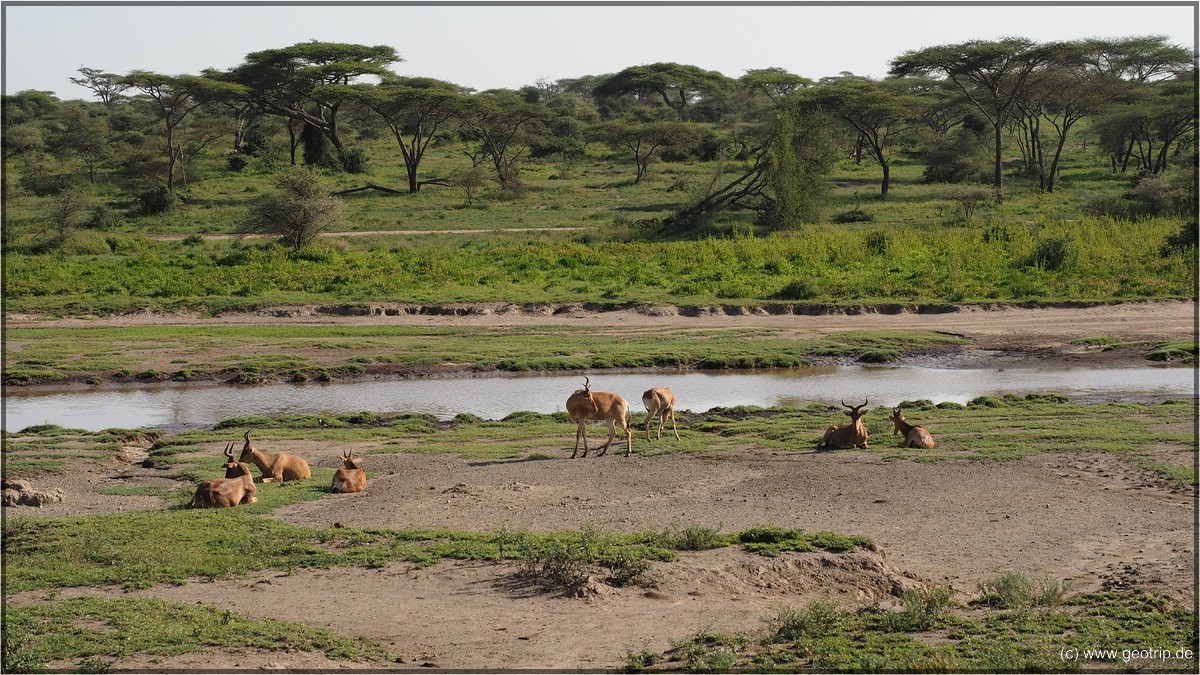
{"x": 1183, "y": 351}
{"x": 91, "y": 634}
{"x": 111, "y": 549}
{"x": 932, "y": 634}
{"x": 254, "y": 354}
{"x": 919, "y": 249}
{"x": 819, "y": 266}
{"x": 988, "y": 428}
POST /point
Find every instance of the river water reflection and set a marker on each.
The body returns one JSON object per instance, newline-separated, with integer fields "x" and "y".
{"x": 494, "y": 397}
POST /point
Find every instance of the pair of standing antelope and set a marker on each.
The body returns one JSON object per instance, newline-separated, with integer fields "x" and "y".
{"x": 854, "y": 434}
{"x": 237, "y": 487}
{"x": 586, "y": 406}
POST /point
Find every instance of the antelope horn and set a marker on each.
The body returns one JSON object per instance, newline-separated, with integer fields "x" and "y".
{"x": 229, "y": 451}
{"x": 247, "y": 436}
{"x": 587, "y": 384}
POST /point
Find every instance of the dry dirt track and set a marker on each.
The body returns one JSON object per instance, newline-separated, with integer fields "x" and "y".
{"x": 1087, "y": 517}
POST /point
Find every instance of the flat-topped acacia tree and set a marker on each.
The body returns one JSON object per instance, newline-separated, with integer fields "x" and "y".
{"x": 177, "y": 96}
{"x": 294, "y": 82}
{"x": 994, "y": 75}
{"x": 414, "y": 108}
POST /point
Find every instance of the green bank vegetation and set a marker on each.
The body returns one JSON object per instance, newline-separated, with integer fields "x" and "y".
{"x": 303, "y": 353}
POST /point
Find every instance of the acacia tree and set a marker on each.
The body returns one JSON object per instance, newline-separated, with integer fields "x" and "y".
{"x": 877, "y": 112}
{"x": 1063, "y": 92}
{"x": 414, "y": 109}
{"x": 499, "y": 120}
{"x": 678, "y": 86}
{"x": 1141, "y": 128}
{"x": 1146, "y": 58}
{"x": 294, "y": 82}
{"x": 646, "y": 137}
{"x": 774, "y": 83}
{"x": 106, "y": 86}
{"x": 994, "y": 76}
{"x": 177, "y": 96}
{"x": 1141, "y": 132}
{"x": 85, "y": 135}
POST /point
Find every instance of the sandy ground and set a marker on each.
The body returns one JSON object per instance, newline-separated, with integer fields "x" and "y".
{"x": 1087, "y": 517}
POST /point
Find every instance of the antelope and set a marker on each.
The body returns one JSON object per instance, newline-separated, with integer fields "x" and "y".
{"x": 660, "y": 401}
{"x": 914, "y": 436}
{"x": 853, "y": 435}
{"x": 237, "y": 487}
{"x": 275, "y": 466}
{"x": 350, "y": 478}
{"x": 586, "y": 405}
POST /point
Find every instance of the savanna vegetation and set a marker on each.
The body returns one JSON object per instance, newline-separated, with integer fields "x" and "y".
{"x": 984, "y": 172}
{"x": 1005, "y": 171}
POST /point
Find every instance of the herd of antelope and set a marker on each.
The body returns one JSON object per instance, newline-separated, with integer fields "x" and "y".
{"x": 583, "y": 406}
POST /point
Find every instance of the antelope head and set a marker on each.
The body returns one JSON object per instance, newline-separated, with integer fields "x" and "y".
{"x": 351, "y": 461}
{"x": 854, "y": 412}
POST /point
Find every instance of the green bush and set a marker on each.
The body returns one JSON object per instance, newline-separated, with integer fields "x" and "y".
{"x": 818, "y": 618}
{"x": 797, "y": 289}
{"x": 156, "y": 200}
{"x": 1054, "y": 253}
{"x": 1014, "y": 590}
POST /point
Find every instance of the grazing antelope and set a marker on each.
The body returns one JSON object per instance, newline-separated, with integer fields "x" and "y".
{"x": 914, "y": 436}
{"x": 660, "y": 401}
{"x": 237, "y": 487}
{"x": 275, "y": 466}
{"x": 852, "y": 435}
{"x": 586, "y": 405}
{"x": 350, "y": 478}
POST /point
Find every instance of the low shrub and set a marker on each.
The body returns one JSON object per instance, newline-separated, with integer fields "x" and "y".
{"x": 1015, "y": 590}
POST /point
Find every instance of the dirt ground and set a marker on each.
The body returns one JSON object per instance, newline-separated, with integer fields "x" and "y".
{"x": 1087, "y": 517}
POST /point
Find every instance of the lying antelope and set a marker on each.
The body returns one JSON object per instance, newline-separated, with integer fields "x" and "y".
{"x": 586, "y": 405}
{"x": 914, "y": 436}
{"x": 351, "y": 477}
{"x": 237, "y": 487}
{"x": 275, "y": 466}
{"x": 852, "y": 435}
{"x": 660, "y": 401}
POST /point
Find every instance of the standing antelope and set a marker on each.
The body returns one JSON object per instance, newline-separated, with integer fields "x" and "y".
{"x": 914, "y": 436}
{"x": 237, "y": 487}
{"x": 351, "y": 477}
{"x": 602, "y": 406}
{"x": 852, "y": 435}
{"x": 660, "y": 401}
{"x": 275, "y": 466}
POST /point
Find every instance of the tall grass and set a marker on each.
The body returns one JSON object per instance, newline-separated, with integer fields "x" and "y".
{"x": 1091, "y": 259}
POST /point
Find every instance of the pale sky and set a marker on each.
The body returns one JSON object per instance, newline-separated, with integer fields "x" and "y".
{"x": 492, "y": 45}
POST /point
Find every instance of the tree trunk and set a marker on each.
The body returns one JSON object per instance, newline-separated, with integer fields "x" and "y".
{"x": 887, "y": 179}
{"x": 998, "y": 173}
{"x": 293, "y": 141}
{"x": 170, "y": 158}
